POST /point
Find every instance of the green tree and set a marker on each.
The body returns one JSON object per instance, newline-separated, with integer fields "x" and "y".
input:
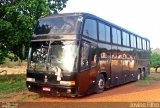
{"x": 155, "y": 60}
{"x": 17, "y": 22}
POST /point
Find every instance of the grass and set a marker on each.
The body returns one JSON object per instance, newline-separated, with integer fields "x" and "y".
{"x": 151, "y": 79}
{"x": 11, "y": 83}
{"x": 148, "y": 81}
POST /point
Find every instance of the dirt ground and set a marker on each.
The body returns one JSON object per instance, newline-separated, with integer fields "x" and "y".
{"x": 15, "y": 70}
{"x": 131, "y": 92}
{"x": 126, "y": 93}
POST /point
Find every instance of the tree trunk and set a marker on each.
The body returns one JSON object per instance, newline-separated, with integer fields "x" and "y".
{"x": 156, "y": 70}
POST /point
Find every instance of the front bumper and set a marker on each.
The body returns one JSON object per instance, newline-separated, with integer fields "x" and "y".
{"x": 55, "y": 90}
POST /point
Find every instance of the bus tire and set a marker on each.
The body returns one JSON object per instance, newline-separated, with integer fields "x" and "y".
{"x": 139, "y": 75}
{"x": 142, "y": 74}
{"x": 100, "y": 83}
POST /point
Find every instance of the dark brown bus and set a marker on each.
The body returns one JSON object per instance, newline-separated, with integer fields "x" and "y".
{"x": 75, "y": 54}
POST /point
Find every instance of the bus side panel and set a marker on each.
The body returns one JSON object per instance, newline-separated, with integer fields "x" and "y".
{"x": 126, "y": 64}
{"x": 105, "y": 60}
{"x": 83, "y": 81}
{"x": 116, "y": 67}
{"x": 133, "y": 64}
{"x": 120, "y": 53}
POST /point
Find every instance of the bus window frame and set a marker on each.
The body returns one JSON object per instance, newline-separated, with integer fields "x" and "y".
{"x": 84, "y": 67}
{"x": 132, "y": 35}
{"x": 83, "y": 26}
{"x": 110, "y": 32}
{"x": 129, "y": 38}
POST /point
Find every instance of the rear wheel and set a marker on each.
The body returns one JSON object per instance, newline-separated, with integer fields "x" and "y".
{"x": 100, "y": 83}
{"x": 141, "y": 75}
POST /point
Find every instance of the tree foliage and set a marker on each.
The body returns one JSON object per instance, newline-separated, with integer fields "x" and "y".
{"x": 17, "y": 21}
{"x": 155, "y": 60}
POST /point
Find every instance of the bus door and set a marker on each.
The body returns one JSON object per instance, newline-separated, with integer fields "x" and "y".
{"x": 83, "y": 75}
{"x": 94, "y": 67}
{"x": 88, "y": 67}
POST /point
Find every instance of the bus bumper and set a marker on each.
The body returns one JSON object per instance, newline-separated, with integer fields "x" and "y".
{"x": 55, "y": 90}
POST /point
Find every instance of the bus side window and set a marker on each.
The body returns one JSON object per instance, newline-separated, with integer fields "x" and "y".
{"x": 94, "y": 56}
{"x": 84, "y": 55}
{"x": 90, "y": 28}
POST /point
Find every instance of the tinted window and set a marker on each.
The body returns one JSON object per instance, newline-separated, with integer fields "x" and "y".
{"x": 119, "y": 36}
{"x": 90, "y": 28}
{"x": 139, "y": 43}
{"x": 125, "y": 38}
{"x": 93, "y": 55}
{"x": 108, "y": 36}
{"x": 148, "y": 45}
{"x": 116, "y": 36}
{"x": 133, "y": 41}
{"x": 102, "y": 32}
{"x": 144, "y": 44}
{"x": 56, "y": 25}
{"x": 84, "y": 54}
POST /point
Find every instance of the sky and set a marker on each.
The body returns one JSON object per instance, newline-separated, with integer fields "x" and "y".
{"x": 139, "y": 16}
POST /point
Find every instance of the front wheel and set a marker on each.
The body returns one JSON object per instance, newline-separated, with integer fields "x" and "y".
{"x": 100, "y": 83}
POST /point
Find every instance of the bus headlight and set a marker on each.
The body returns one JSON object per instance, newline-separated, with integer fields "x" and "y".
{"x": 69, "y": 91}
{"x": 67, "y": 83}
{"x": 31, "y": 79}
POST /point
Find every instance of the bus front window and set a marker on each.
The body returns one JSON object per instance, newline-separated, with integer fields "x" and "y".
{"x": 63, "y": 54}
{"x": 48, "y": 55}
{"x": 38, "y": 55}
{"x": 56, "y": 25}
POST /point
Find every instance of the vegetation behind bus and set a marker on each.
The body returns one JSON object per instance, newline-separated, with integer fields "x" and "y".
{"x": 155, "y": 59}
{"x": 16, "y": 29}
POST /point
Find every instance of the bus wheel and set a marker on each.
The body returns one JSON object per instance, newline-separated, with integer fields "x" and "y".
{"x": 139, "y": 76}
{"x": 142, "y": 75}
{"x": 100, "y": 83}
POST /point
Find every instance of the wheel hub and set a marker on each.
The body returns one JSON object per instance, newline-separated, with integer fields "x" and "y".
{"x": 101, "y": 84}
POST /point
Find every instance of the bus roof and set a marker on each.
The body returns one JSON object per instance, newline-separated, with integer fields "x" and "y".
{"x": 83, "y": 14}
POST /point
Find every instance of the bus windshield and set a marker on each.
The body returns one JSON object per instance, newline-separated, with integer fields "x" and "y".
{"x": 48, "y": 55}
{"x": 57, "y": 25}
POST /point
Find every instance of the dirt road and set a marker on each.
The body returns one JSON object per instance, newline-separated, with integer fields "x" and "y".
{"x": 126, "y": 93}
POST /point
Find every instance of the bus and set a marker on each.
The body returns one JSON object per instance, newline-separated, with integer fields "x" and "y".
{"x": 75, "y": 54}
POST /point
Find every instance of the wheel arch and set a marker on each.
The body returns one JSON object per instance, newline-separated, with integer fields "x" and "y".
{"x": 104, "y": 74}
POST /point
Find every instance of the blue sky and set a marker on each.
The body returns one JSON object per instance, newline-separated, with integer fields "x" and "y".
{"x": 139, "y": 16}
